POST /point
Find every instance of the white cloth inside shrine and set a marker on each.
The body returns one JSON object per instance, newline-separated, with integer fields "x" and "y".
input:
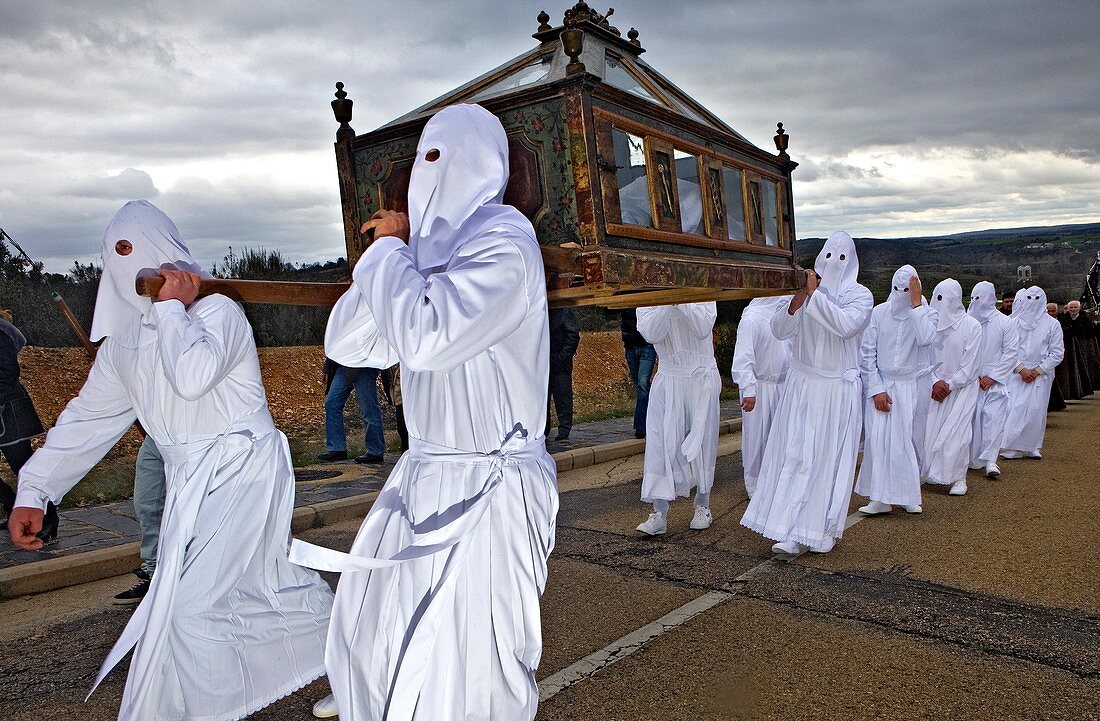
{"x": 682, "y": 422}
{"x": 808, "y": 469}
{"x": 956, "y": 360}
{"x": 437, "y": 613}
{"x": 760, "y": 362}
{"x": 895, "y": 358}
{"x": 228, "y": 625}
{"x": 1000, "y": 347}
{"x": 1041, "y": 348}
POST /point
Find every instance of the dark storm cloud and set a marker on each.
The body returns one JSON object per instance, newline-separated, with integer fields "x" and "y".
{"x": 938, "y": 113}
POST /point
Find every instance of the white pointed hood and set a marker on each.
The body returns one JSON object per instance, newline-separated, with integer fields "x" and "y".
{"x": 947, "y": 301}
{"x": 838, "y": 265}
{"x": 899, "y": 301}
{"x": 983, "y": 301}
{"x": 464, "y": 186}
{"x": 766, "y": 307}
{"x": 156, "y": 243}
{"x": 1030, "y": 307}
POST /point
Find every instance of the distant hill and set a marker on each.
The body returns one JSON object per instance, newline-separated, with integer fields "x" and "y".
{"x": 1059, "y": 256}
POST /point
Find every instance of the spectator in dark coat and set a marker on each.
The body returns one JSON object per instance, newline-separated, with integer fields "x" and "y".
{"x": 565, "y": 338}
{"x": 19, "y": 421}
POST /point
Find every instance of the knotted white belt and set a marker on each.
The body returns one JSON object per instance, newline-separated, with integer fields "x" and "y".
{"x": 907, "y": 373}
{"x": 850, "y": 375}
{"x": 200, "y": 459}
{"x": 777, "y": 378}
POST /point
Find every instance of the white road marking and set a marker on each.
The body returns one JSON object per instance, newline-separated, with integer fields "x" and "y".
{"x": 634, "y": 641}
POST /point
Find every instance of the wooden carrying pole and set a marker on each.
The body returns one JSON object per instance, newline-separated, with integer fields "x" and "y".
{"x": 257, "y": 291}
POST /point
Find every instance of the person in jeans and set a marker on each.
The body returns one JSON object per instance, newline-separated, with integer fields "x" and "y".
{"x": 641, "y": 359}
{"x": 565, "y": 338}
{"x": 149, "y": 495}
{"x": 341, "y": 381}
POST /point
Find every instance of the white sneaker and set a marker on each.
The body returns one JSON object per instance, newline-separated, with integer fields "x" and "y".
{"x": 655, "y": 525}
{"x": 992, "y": 470}
{"x": 1034, "y": 454}
{"x": 702, "y": 518}
{"x": 874, "y": 508}
{"x": 788, "y": 548}
{"x": 825, "y": 546}
{"x": 326, "y": 708}
{"x": 958, "y": 488}
{"x": 914, "y": 509}
{"x": 1012, "y": 455}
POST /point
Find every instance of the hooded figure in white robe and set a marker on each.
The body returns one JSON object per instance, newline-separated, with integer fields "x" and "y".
{"x": 228, "y": 625}
{"x": 956, "y": 362}
{"x": 809, "y": 462}
{"x": 1041, "y": 349}
{"x": 760, "y": 362}
{"x": 682, "y": 424}
{"x": 895, "y": 362}
{"x": 437, "y": 611}
{"x": 1000, "y": 347}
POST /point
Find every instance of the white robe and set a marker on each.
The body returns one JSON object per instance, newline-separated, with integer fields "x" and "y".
{"x": 760, "y": 362}
{"x": 1042, "y": 348}
{"x": 682, "y": 422}
{"x": 1000, "y": 348}
{"x": 956, "y": 361}
{"x": 808, "y": 468}
{"x": 454, "y": 631}
{"x": 895, "y": 359}
{"x": 228, "y": 625}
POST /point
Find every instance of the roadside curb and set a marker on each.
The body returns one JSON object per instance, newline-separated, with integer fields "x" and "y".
{"x": 54, "y": 573}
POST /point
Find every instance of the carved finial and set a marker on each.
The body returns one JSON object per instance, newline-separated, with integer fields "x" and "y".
{"x": 781, "y": 141}
{"x": 572, "y": 41}
{"x": 342, "y": 109}
{"x": 544, "y": 21}
{"x": 632, "y": 34}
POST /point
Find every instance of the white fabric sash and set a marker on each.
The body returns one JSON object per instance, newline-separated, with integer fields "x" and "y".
{"x": 191, "y": 470}
{"x": 908, "y": 373}
{"x": 851, "y": 375}
{"x": 698, "y": 367}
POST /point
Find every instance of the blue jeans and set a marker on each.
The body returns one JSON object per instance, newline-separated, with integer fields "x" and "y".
{"x": 366, "y": 387}
{"x": 641, "y": 362}
{"x": 149, "y": 495}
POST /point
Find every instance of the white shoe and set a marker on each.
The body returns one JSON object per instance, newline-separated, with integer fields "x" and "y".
{"x": 788, "y": 548}
{"x": 992, "y": 470}
{"x": 958, "y": 488}
{"x": 655, "y": 525}
{"x": 874, "y": 508}
{"x": 326, "y": 708}
{"x": 702, "y": 518}
{"x": 1034, "y": 454}
{"x": 914, "y": 509}
{"x": 1012, "y": 455}
{"x": 825, "y": 546}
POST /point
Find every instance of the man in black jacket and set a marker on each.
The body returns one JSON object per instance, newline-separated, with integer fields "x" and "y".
{"x": 565, "y": 337}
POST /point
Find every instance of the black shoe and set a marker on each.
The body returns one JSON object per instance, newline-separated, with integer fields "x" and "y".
{"x": 332, "y": 456}
{"x": 639, "y": 434}
{"x": 133, "y": 596}
{"x": 48, "y": 534}
{"x": 369, "y": 459}
{"x": 563, "y": 434}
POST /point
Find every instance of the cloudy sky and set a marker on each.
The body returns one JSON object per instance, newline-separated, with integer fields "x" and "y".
{"x": 908, "y": 118}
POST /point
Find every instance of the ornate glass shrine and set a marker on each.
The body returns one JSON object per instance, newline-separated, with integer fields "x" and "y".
{"x": 638, "y": 194}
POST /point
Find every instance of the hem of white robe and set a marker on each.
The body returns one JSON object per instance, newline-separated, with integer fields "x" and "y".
{"x": 255, "y": 706}
{"x": 939, "y": 482}
{"x": 910, "y": 498}
{"x": 806, "y": 538}
{"x": 679, "y": 493}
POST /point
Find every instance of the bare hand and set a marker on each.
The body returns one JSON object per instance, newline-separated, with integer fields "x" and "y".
{"x": 811, "y": 282}
{"x": 985, "y": 383}
{"x": 1028, "y": 375}
{"x": 747, "y": 404}
{"x": 803, "y": 295}
{"x": 882, "y": 402}
{"x": 179, "y": 285}
{"x": 23, "y": 524}
{"x": 914, "y": 291}
{"x": 388, "y": 224}
{"x": 940, "y": 391}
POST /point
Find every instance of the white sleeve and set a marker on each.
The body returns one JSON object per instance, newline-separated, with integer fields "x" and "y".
{"x": 655, "y": 323}
{"x": 868, "y": 360}
{"x": 1056, "y": 349}
{"x": 90, "y": 425}
{"x": 700, "y": 318}
{"x": 199, "y": 349}
{"x": 744, "y": 358}
{"x": 442, "y": 321}
{"x": 784, "y": 323}
{"x": 1010, "y": 352}
{"x": 971, "y": 363}
{"x": 924, "y": 323}
{"x": 352, "y": 336}
{"x": 846, "y": 319}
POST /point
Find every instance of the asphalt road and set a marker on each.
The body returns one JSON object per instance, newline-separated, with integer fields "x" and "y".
{"x": 985, "y": 607}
